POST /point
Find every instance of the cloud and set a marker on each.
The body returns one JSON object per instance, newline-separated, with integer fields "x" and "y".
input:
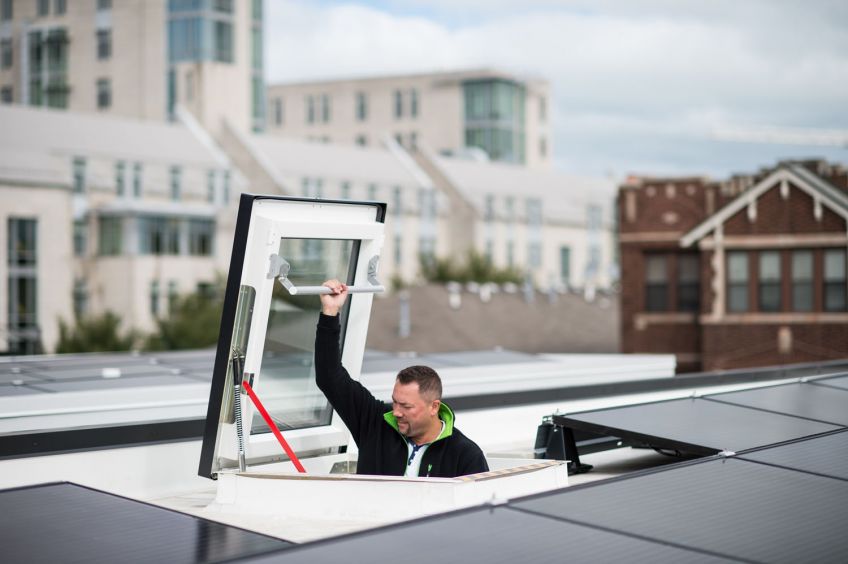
{"x": 656, "y": 73}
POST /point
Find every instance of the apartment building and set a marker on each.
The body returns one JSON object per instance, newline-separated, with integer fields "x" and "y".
{"x": 135, "y": 58}
{"x": 736, "y": 273}
{"x": 105, "y": 214}
{"x": 503, "y": 115}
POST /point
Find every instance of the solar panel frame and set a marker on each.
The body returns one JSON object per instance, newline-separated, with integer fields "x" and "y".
{"x": 808, "y": 455}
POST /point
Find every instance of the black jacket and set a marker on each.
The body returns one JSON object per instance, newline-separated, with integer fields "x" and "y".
{"x": 382, "y": 449}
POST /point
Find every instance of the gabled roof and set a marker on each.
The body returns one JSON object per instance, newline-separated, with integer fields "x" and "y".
{"x": 801, "y": 177}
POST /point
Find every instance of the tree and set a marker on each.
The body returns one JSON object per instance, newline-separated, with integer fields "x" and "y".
{"x": 193, "y": 322}
{"x": 94, "y": 334}
{"x": 477, "y": 268}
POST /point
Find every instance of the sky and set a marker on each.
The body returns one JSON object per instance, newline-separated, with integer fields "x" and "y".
{"x": 638, "y": 86}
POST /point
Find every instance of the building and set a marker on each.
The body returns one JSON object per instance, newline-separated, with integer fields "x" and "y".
{"x": 417, "y": 214}
{"x": 105, "y": 214}
{"x": 556, "y": 227}
{"x": 506, "y": 116}
{"x": 736, "y": 273}
{"x": 135, "y": 58}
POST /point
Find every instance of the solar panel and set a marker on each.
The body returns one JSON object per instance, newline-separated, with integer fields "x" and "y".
{"x": 840, "y": 382}
{"x": 497, "y": 535}
{"x": 827, "y": 455}
{"x": 824, "y": 404}
{"x": 70, "y": 523}
{"x": 733, "y": 507}
{"x": 113, "y": 383}
{"x": 695, "y": 425}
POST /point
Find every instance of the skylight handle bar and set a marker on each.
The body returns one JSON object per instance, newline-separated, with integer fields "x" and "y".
{"x": 280, "y": 268}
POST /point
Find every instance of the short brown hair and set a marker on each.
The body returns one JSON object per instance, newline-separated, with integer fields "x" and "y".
{"x": 429, "y": 383}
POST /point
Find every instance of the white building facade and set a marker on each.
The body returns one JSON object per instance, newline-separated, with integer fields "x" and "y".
{"x": 504, "y": 115}
{"x": 135, "y": 58}
{"x": 105, "y": 214}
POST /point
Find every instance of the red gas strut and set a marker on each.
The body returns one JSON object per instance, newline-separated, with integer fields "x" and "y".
{"x": 273, "y": 426}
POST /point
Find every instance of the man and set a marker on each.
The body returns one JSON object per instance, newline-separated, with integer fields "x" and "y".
{"x": 417, "y": 437}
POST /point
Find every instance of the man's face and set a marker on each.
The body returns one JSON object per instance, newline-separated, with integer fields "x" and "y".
{"x": 414, "y": 413}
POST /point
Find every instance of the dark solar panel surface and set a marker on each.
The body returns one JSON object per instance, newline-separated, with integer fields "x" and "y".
{"x": 69, "y": 523}
{"x": 113, "y": 383}
{"x": 826, "y": 455}
{"x": 492, "y": 536}
{"x": 696, "y": 421}
{"x": 828, "y": 405}
{"x": 738, "y": 508}
{"x": 10, "y": 390}
{"x": 841, "y": 382}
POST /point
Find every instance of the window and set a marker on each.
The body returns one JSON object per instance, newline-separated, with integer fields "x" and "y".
{"x": 173, "y": 294}
{"x": 397, "y": 201}
{"x": 361, "y": 140}
{"x": 120, "y": 180}
{"x": 688, "y": 283}
{"x": 509, "y": 206}
{"x": 79, "y": 175}
{"x": 361, "y": 106}
{"x": 344, "y": 193}
{"x": 834, "y": 280}
{"x": 154, "y": 298}
{"x": 43, "y": 7}
{"x": 769, "y": 285}
{"x": 372, "y": 192}
{"x": 225, "y": 6}
{"x": 159, "y": 236}
{"x": 22, "y": 242}
{"x": 223, "y": 42}
{"x": 534, "y": 212}
{"x": 543, "y": 147}
{"x": 103, "y": 5}
{"x": 413, "y": 103}
{"x": 656, "y": 282}
{"x": 110, "y": 240}
{"x": 489, "y": 208}
{"x": 104, "y": 93}
{"x": 737, "y": 281}
{"x": 80, "y": 237}
{"x": 80, "y": 297}
{"x": 398, "y": 250}
{"x": 201, "y": 236}
{"x": 5, "y": 53}
{"x": 104, "y": 44}
{"x": 413, "y": 140}
{"x": 802, "y": 280}
{"x": 256, "y": 48}
{"x": 22, "y": 331}
{"x": 325, "y": 108}
{"x": 225, "y": 191}
{"x": 210, "y": 186}
{"x": 510, "y": 253}
{"x": 6, "y": 95}
{"x": 543, "y": 108}
{"x": 565, "y": 264}
{"x": 398, "y": 104}
{"x": 534, "y": 254}
{"x": 257, "y": 10}
{"x": 61, "y": 7}
{"x": 137, "y": 180}
{"x": 176, "y": 185}
{"x": 310, "y": 109}
{"x": 6, "y": 10}
{"x": 278, "y": 111}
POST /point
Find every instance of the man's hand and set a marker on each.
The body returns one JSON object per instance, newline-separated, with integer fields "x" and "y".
{"x": 332, "y": 303}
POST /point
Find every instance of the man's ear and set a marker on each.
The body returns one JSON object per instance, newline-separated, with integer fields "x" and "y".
{"x": 435, "y": 406}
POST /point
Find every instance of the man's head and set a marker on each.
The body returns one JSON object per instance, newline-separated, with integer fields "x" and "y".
{"x": 416, "y": 398}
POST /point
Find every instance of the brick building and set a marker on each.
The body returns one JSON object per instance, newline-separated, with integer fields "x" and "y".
{"x": 739, "y": 273}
